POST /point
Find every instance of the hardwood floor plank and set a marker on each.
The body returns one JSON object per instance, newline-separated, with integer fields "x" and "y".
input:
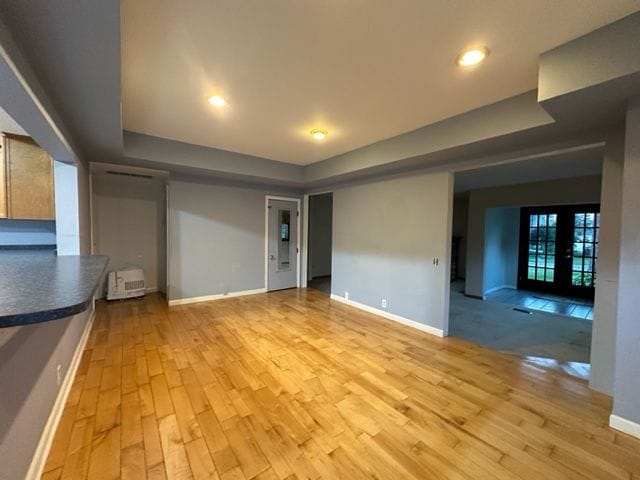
{"x": 175, "y": 456}
{"x": 291, "y": 385}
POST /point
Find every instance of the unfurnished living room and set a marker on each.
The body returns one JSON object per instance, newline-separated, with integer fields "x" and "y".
{"x": 283, "y": 239}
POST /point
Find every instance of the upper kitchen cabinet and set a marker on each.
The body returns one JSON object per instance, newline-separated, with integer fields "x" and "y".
{"x": 26, "y": 180}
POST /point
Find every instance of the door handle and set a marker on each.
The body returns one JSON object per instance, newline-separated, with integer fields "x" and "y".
{"x": 272, "y": 257}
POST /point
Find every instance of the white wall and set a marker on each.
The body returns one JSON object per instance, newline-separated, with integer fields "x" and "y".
{"x": 84, "y": 208}
{"x": 501, "y": 248}
{"x": 67, "y": 204}
{"x": 73, "y": 220}
{"x": 385, "y": 237}
{"x": 129, "y": 224}
{"x": 320, "y": 232}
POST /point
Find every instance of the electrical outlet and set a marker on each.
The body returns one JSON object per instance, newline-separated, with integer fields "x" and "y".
{"x": 59, "y": 374}
{"x": 346, "y": 295}
{"x": 384, "y": 303}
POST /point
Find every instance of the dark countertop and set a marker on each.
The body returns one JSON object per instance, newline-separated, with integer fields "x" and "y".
{"x": 38, "y": 286}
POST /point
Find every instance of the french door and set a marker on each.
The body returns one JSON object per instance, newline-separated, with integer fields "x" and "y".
{"x": 559, "y": 249}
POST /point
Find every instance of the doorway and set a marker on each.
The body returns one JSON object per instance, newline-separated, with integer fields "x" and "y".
{"x": 320, "y": 242}
{"x": 282, "y": 245}
{"x": 559, "y": 249}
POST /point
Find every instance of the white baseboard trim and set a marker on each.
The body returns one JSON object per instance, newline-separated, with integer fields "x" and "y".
{"x": 499, "y": 287}
{"x": 39, "y": 459}
{"x": 219, "y": 296}
{"x": 390, "y": 316}
{"x": 624, "y": 425}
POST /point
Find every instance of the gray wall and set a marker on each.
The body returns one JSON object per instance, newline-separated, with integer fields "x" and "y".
{"x": 598, "y": 57}
{"x": 27, "y": 232}
{"x": 501, "y": 248}
{"x": 29, "y": 357}
{"x": 385, "y": 236}
{"x": 320, "y": 232}
{"x": 129, "y": 224}
{"x": 216, "y": 238}
{"x": 459, "y": 229}
{"x": 603, "y": 336}
{"x": 627, "y": 379}
{"x": 555, "y": 192}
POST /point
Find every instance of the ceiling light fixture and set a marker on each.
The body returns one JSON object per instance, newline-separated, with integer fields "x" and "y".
{"x": 217, "y": 101}
{"x": 472, "y": 57}
{"x": 319, "y": 133}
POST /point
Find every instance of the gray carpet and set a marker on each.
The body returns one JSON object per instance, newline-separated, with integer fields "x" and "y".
{"x": 498, "y": 326}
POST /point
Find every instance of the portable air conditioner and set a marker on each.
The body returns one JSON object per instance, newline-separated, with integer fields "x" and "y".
{"x": 126, "y": 284}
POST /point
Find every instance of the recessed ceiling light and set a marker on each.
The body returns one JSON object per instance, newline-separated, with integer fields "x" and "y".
{"x": 319, "y": 133}
{"x": 217, "y": 101}
{"x": 472, "y": 57}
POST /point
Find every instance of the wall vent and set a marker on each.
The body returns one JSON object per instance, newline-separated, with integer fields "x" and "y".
{"x": 133, "y": 285}
{"x": 127, "y": 174}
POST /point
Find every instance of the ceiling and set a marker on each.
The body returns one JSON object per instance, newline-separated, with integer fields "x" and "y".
{"x": 9, "y": 125}
{"x": 580, "y": 163}
{"x": 365, "y": 70}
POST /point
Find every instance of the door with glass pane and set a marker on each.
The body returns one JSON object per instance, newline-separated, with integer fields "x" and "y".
{"x": 282, "y": 243}
{"x": 559, "y": 248}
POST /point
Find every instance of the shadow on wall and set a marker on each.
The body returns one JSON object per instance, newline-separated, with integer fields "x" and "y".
{"x": 24, "y": 353}
{"x": 502, "y": 233}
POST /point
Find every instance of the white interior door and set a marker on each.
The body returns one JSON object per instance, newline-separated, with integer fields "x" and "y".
{"x": 282, "y": 244}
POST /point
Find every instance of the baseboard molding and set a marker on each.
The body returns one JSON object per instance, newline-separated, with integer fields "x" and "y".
{"x": 624, "y": 425}
{"x": 39, "y": 459}
{"x": 499, "y": 287}
{"x": 471, "y": 295}
{"x": 390, "y": 316}
{"x": 220, "y": 296}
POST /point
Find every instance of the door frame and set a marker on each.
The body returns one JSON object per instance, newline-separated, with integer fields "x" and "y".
{"x": 305, "y": 245}
{"x": 266, "y": 237}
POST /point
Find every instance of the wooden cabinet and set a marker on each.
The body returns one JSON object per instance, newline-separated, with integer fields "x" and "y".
{"x": 26, "y": 181}
{"x": 3, "y": 184}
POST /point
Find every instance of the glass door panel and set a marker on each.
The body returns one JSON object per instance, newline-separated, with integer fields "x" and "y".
{"x": 559, "y": 249}
{"x": 284, "y": 245}
{"x": 586, "y": 229}
{"x": 541, "y": 251}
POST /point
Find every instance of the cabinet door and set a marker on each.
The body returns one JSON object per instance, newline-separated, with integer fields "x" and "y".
{"x": 3, "y": 182}
{"x": 29, "y": 180}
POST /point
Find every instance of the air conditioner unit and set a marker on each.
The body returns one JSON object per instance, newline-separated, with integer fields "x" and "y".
{"x": 126, "y": 284}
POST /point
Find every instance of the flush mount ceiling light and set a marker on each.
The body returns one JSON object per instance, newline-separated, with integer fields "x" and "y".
{"x": 318, "y": 133}
{"x": 217, "y": 101}
{"x": 472, "y": 57}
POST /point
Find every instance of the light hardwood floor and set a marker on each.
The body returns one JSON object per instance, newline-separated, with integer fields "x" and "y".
{"x": 292, "y": 385}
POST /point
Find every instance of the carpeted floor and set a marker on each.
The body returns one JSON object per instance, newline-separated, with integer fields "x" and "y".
{"x": 498, "y": 326}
